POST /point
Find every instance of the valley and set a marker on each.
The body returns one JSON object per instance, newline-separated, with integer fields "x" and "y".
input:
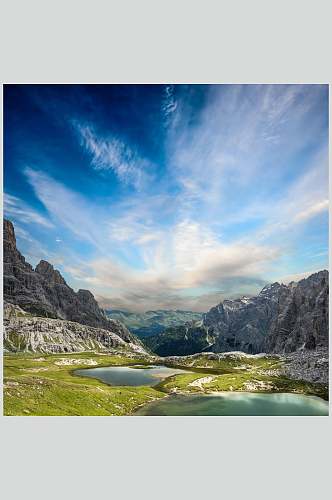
{"x": 152, "y": 323}
{"x": 63, "y": 355}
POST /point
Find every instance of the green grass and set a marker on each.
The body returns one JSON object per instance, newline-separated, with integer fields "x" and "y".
{"x": 241, "y": 381}
{"x": 257, "y": 363}
{"x": 35, "y": 385}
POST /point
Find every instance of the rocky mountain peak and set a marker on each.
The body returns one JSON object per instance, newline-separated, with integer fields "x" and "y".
{"x": 85, "y": 295}
{"x": 272, "y": 288}
{"x": 87, "y": 299}
{"x": 9, "y": 233}
{"x": 48, "y": 272}
{"x": 43, "y": 292}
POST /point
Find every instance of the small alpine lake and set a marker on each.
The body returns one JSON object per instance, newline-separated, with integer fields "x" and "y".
{"x": 135, "y": 375}
{"x": 236, "y": 404}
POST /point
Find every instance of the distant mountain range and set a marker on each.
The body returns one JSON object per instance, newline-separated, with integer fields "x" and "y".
{"x": 281, "y": 318}
{"x": 152, "y": 322}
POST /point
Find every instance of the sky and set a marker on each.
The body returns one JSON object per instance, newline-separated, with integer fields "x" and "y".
{"x": 169, "y": 196}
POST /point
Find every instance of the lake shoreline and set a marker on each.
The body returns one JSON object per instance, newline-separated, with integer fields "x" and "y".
{"x": 201, "y": 391}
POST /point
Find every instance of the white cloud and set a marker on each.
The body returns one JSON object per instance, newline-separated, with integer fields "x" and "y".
{"x": 312, "y": 210}
{"x": 18, "y": 210}
{"x": 240, "y": 142}
{"x": 66, "y": 206}
{"x": 185, "y": 264}
{"x": 110, "y": 153}
{"x": 169, "y": 103}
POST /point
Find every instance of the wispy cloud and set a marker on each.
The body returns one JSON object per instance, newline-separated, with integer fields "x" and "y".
{"x": 169, "y": 103}
{"x": 65, "y": 206}
{"x": 315, "y": 209}
{"x": 112, "y": 154}
{"x": 239, "y": 136}
{"x": 17, "y": 209}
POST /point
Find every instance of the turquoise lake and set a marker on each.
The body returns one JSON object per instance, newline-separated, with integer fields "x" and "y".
{"x": 236, "y": 404}
{"x": 223, "y": 404}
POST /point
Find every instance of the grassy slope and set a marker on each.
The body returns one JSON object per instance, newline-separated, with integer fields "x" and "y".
{"x": 35, "y": 385}
{"x": 250, "y": 374}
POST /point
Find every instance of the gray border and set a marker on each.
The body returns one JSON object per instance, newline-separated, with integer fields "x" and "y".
{"x": 156, "y": 42}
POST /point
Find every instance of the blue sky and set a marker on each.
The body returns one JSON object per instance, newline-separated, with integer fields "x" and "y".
{"x": 169, "y": 196}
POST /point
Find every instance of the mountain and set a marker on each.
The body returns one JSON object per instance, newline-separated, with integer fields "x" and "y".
{"x": 183, "y": 340}
{"x": 43, "y": 292}
{"x": 153, "y": 322}
{"x": 24, "y": 332}
{"x": 280, "y": 319}
{"x": 302, "y": 319}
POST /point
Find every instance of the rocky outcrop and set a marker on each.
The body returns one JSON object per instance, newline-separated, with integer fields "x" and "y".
{"x": 44, "y": 292}
{"x": 242, "y": 324}
{"x": 306, "y": 364}
{"x": 280, "y": 319}
{"x": 24, "y": 332}
{"x": 301, "y": 320}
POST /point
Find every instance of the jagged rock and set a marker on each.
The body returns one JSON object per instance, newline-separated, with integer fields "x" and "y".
{"x": 302, "y": 316}
{"x": 24, "y": 332}
{"x": 44, "y": 292}
{"x": 309, "y": 365}
{"x": 242, "y": 324}
{"x": 48, "y": 272}
{"x": 280, "y": 319}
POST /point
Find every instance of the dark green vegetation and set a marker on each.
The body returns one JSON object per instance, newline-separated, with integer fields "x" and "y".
{"x": 152, "y": 322}
{"x": 38, "y": 384}
{"x": 182, "y": 340}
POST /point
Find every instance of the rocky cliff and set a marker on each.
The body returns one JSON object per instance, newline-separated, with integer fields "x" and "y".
{"x": 280, "y": 319}
{"x": 43, "y": 292}
{"x": 24, "y": 332}
{"x": 302, "y": 316}
{"x": 242, "y": 324}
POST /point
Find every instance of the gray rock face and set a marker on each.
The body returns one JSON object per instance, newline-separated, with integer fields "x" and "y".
{"x": 309, "y": 365}
{"x": 242, "y": 324}
{"x": 44, "y": 292}
{"x": 280, "y": 319}
{"x": 24, "y": 332}
{"x": 302, "y": 316}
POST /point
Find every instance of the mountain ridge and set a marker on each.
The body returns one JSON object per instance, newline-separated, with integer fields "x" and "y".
{"x": 43, "y": 292}
{"x": 281, "y": 318}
